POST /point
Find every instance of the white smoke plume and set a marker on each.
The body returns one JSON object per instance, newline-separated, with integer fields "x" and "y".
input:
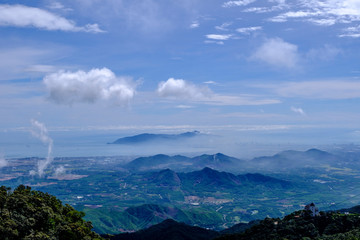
{"x": 40, "y": 131}
{"x": 60, "y": 171}
{"x": 3, "y": 162}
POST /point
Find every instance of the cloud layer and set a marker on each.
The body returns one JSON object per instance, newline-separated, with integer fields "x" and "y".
{"x": 97, "y": 84}
{"x": 24, "y": 16}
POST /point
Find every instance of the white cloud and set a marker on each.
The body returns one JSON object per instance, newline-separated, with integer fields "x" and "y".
{"x": 298, "y": 110}
{"x": 248, "y": 30}
{"x": 220, "y": 37}
{"x": 237, "y": 3}
{"x": 179, "y": 88}
{"x": 277, "y": 52}
{"x": 97, "y": 84}
{"x": 24, "y": 16}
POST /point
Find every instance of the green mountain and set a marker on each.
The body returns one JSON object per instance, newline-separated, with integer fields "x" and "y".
{"x": 300, "y": 225}
{"x": 28, "y": 214}
{"x": 146, "y": 215}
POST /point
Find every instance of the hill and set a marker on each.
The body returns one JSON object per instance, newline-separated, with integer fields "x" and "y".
{"x": 28, "y": 214}
{"x": 146, "y": 215}
{"x": 167, "y": 230}
{"x": 299, "y": 225}
{"x": 150, "y": 137}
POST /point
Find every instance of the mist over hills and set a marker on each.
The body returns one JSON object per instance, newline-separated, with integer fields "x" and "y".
{"x": 281, "y": 162}
{"x": 181, "y": 163}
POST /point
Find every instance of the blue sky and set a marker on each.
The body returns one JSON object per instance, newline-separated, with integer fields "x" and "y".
{"x": 274, "y": 66}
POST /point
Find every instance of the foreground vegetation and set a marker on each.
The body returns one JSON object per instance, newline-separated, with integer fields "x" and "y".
{"x": 29, "y": 214}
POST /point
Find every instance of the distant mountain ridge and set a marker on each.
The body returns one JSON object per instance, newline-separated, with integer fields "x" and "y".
{"x": 217, "y": 161}
{"x": 282, "y": 161}
{"x": 150, "y": 137}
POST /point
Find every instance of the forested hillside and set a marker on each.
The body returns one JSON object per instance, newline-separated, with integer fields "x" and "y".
{"x": 29, "y": 214}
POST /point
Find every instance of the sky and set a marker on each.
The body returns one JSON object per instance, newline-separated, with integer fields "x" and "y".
{"x": 272, "y": 70}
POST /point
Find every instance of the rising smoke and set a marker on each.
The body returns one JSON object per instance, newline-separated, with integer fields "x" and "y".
{"x": 3, "y": 162}
{"x": 39, "y": 131}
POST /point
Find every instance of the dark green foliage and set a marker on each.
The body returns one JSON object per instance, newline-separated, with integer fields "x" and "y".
{"x": 300, "y": 225}
{"x": 169, "y": 230}
{"x": 28, "y": 214}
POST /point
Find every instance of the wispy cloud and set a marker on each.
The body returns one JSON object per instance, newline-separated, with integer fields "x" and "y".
{"x": 237, "y": 3}
{"x": 278, "y": 53}
{"x": 195, "y": 24}
{"x": 24, "y": 16}
{"x": 224, "y": 26}
{"x": 97, "y": 84}
{"x": 324, "y": 13}
{"x": 327, "y": 89}
{"x": 353, "y": 32}
{"x": 298, "y": 110}
{"x": 248, "y": 30}
{"x": 325, "y": 53}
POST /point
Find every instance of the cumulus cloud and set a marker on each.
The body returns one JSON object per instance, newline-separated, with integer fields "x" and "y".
{"x": 24, "y": 16}
{"x": 179, "y": 88}
{"x": 298, "y": 110}
{"x": 98, "y": 84}
{"x": 278, "y": 53}
{"x": 237, "y": 3}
